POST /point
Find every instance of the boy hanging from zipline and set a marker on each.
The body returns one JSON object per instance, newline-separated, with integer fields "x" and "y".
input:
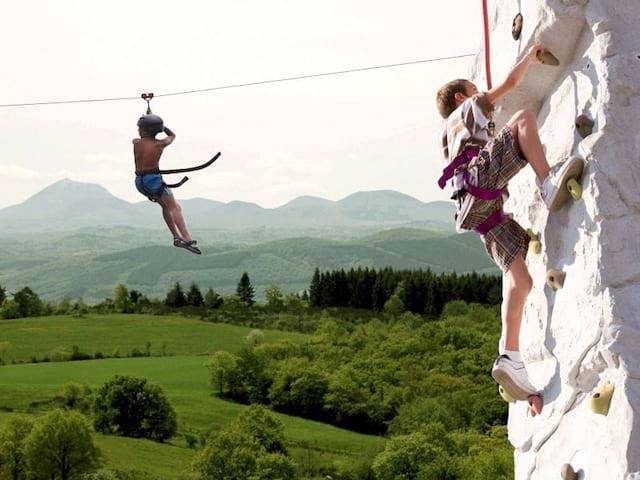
{"x": 147, "y": 151}
{"x": 478, "y": 167}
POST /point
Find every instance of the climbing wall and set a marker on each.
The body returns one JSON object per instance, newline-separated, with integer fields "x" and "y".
{"x": 582, "y": 341}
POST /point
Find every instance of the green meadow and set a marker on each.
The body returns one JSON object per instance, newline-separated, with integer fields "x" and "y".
{"x": 27, "y": 388}
{"x": 176, "y": 335}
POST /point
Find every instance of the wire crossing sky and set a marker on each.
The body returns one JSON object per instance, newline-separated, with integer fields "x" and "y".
{"x": 333, "y": 134}
{"x": 240, "y": 85}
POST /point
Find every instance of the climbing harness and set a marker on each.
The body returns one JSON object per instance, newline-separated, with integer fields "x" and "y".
{"x": 156, "y": 171}
{"x": 462, "y": 162}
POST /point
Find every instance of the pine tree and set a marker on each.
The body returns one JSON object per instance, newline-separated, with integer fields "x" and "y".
{"x": 245, "y": 290}
{"x": 3, "y": 294}
{"x": 175, "y": 297}
{"x": 212, "y": 299}
{"x": 194, "y": 297}
{"x": 315, "y": 293}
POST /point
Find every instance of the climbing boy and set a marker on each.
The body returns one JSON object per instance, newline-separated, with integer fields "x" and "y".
{"x": 478, "y": 167}
{"x": 147, "y": 151}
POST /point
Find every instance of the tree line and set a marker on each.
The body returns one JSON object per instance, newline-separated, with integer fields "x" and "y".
{"x": 417, "y": 291}
{"x": 393, "y": 291}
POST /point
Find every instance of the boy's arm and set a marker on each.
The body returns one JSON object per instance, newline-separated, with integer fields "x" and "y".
{"x": 170, "y": 137}
{"x": 516, "y": 74}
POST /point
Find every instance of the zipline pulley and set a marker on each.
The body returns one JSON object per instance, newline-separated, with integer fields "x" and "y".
{"x": 147, "y": 97}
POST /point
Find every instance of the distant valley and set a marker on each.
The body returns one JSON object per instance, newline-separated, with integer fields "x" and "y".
{"x": 77, "y": 240}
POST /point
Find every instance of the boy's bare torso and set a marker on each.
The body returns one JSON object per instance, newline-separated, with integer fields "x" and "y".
{"x": 147, "y": 152}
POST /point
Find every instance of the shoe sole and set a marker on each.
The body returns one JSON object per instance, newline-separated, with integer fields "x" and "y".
{"x": 575, "y": 172}
{"x": 195, "y": 250}
{"x": 504, "y": 379}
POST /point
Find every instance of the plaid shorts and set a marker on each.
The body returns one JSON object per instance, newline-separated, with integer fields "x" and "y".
{"x": 497, "y": 163}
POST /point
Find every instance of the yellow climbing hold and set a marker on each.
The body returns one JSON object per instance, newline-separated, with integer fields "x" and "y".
{"x": 555, "y": 279}
{"x": 535, "y": 245}
{"x": 505, "y": 396}
{"x": 601, "y": 399}
{"x": 567, "y": 472}
{"x": 574, "y": 189}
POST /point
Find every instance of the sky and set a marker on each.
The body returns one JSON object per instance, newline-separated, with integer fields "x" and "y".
{"x": 326, "y": 137}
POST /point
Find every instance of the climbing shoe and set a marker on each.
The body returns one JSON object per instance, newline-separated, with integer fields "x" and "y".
{"x": 187, "y": 245}
{"x": 554, "y": 188}
{"x": 513, "y": 378}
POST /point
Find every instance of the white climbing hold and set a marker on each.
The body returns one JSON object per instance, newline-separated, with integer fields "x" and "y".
{"x": 555, "y": 279}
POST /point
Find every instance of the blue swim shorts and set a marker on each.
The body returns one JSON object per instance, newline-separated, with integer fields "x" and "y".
{"x": 152, "y": 186}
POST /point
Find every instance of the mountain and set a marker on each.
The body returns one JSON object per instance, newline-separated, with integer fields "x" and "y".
{"x": 68, "y": 205}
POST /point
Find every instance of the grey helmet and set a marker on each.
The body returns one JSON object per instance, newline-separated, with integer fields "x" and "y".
{"x": 151, "y": 123}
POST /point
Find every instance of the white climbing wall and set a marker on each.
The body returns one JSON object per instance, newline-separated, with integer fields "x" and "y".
{"x": 587, "y": 333}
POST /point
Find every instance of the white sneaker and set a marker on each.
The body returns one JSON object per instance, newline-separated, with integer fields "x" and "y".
{"x": 554, "y": 188}
{"x": 513, "y": 377}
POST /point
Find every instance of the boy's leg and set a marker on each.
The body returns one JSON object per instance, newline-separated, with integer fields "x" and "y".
{"x": 172, "y": 210}
{"x": 524, "y": 128}
{"x": 518, "y": 286}
{"x": 168, "y": 217}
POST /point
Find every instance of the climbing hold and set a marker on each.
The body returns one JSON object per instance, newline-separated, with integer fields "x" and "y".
{"x": 535, "y": 245}
{"x": 584, "y": 125}
{"x": 516, "y": 29}
{"x": 601, "y": 399}
{"x": 548, "y": 58}
{"x": 505, "y": 396}
{"x": 568, "y": 182}
{"x": 555, "y": 279}
{"x": 574, "y": 189}
{"x": 567, "y": 472}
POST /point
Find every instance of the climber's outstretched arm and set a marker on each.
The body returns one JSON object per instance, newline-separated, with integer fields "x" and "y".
{"x": 516, "y": 74}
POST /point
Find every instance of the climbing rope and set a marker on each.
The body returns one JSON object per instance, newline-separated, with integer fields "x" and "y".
{"x": 487, "y": 50}
{"x": 239, "y": 85}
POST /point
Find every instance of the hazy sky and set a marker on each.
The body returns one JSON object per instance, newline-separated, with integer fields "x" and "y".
{"x": 327, "y": 137}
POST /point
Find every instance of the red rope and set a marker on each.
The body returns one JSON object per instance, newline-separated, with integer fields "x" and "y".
{"x": 487, "y": 51}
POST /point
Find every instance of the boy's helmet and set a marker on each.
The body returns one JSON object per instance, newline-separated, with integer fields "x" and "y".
{"x": 151, "y": 123}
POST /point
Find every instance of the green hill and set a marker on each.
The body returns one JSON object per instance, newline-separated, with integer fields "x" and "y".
{"x": 28, "y": 388}
{"x": 56, "y": 271}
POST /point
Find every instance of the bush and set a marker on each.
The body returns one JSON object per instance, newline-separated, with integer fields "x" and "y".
{"x": 250, "y": 448}
{"x": 61, "y": 446}
{"x": 76, "y": 396}
{"x": 131, "y": 407}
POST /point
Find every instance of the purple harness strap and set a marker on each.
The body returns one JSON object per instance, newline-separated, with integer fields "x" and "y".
{"x": 461, "y": 161}
{"x": 498, "y": 216}
{"x": 491, "y": 222}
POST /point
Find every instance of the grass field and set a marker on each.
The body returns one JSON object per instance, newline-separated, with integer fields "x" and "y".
{"x": 183, "y": 377}
{"x": 104, "y": 333}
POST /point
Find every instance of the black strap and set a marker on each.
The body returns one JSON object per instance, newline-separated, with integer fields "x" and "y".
{"x": 148, "y": 172}
{"x": 176, "y": 185}
{"x": 191, "y": 169}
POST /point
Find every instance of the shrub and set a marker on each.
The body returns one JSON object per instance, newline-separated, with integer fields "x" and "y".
{"x": 131, "y": 407}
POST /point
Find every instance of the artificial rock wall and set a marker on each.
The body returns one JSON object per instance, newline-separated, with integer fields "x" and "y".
{"x": 587, "y": 333}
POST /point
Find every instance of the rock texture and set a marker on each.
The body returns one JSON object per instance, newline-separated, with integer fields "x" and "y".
{"x": 576, "y": 339}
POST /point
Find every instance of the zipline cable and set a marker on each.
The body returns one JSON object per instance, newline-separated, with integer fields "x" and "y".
{"x": 238, "y": 85}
